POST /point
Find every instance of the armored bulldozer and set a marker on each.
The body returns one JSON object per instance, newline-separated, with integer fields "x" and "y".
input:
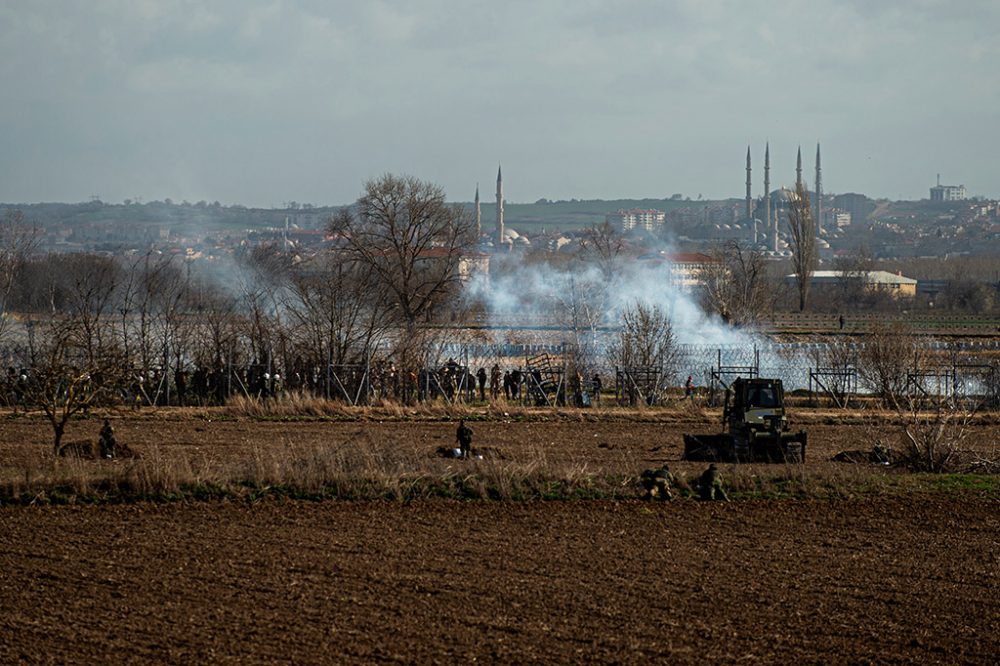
{"x": 757, "y": 429}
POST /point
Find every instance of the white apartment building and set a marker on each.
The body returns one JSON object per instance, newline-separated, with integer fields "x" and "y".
{"x": 637, "y": 218}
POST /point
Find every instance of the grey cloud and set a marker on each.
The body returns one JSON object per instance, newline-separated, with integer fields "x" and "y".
{"x": 261, "y": 102}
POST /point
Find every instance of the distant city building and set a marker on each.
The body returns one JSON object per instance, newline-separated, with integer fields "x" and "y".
{"x": 688, "y": 269}
{"x": 684, "y": 269}
{"x": 947, "y": 192}
{"x": 883, "y": 281}
{"x": 834, "y": 218}
{"x": 858, "y": 205}
{"x": 633, "y": 218}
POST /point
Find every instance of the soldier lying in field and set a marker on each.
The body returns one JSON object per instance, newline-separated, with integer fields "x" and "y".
{"x": 107, "y": 446}
{"x": 658, "y": 483}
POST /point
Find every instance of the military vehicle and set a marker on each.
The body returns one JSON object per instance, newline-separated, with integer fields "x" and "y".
{"x": 757, "y": 429}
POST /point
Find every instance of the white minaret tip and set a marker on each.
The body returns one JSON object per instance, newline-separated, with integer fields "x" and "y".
{"x": 499, "y": 229}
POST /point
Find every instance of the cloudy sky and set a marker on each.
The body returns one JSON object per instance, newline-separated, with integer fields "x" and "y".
{"x": 262, "y": 102}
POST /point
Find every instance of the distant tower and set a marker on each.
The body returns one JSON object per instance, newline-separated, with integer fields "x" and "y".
{"x": 499, "y": 208}
{"x": 773, "y": 233}
{"x": 479, "y": 216}
{"x": 798, "y": 170}
{"x": 819, "y": 195}
{"x": 749, "y": 193}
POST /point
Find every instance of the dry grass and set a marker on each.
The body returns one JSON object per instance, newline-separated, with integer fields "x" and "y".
{"x": 299, "y": 405}
{"x": 364, "y": 469}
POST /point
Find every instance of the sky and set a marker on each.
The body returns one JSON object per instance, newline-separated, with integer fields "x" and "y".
{"x": 263, "y": 102}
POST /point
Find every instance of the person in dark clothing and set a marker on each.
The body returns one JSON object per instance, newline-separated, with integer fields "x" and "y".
{"x": 515, "y": 384}
{"x": 464, "y": 437}
{"x": 597, "y": 385}
{"x": 495, "y": 381}
{"x": 481, "y": 376}
{"x": 106, "y": 440}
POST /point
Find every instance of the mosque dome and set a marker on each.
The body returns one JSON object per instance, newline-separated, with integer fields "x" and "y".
{"x": 782, "y": 195}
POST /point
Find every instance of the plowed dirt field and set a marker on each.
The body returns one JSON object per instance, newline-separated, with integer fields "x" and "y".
{"x": 611, "y": 446}
{"x": 914, "y": 580}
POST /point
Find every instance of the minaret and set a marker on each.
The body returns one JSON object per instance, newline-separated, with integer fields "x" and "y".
{"x": 798, "y": 170}
{"x": 479, "y": 217}
{"x": 499, "y": 208}
{"x": 749, "y": 193}
{"x": 819, "y": 196}
{"x": 773, "y": 233}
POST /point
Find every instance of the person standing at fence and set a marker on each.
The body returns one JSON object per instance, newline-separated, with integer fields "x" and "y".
{"x": 481, "y": 376}
{"x": 515, "y": 384}
{"x": 689, "y": 388}
{"x": 597, "y": 385}
{"x": 495, "y": 381}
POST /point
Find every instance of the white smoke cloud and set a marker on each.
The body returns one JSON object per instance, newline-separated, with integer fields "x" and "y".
{"x": 579, "y": 298}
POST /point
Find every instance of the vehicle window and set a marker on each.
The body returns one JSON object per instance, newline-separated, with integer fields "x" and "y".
{"x": 766, "y": 397}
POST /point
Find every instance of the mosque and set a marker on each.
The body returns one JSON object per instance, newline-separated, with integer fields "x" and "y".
{"x": 763, "y": 215}
{"x": 503, "y": 237}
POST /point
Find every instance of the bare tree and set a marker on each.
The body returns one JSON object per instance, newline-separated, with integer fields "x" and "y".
{"x": 338, "y": 314}
{"x": 737, "y": 284}
{"x": 216, "y": 315}
{"x": 603, "y": 245}
{"x": 802, "y": 233}
{"x": 413, "y": 241}
{"x": 886, "y": 361}
{"x": 852, "y": 281}
{"x": 92, "y": 283}
{"x": 17, "y": 241}
{"x": 64, "y": 380}
{"x": 646, "y": 339}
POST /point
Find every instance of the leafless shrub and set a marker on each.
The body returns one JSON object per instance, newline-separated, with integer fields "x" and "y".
{"x": 646, "y": 339}
{"x": 934, "y": 440}
{"x": 887, "y": 361}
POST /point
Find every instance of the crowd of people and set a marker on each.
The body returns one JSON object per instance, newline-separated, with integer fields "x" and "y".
{"x": 202, "y": 385}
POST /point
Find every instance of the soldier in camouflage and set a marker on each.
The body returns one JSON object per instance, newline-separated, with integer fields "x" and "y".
{"x": 710, "y": 484}
{"x": 658, "y": 483}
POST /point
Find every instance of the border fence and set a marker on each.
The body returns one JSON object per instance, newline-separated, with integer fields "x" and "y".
{"x": 552, "y": 375}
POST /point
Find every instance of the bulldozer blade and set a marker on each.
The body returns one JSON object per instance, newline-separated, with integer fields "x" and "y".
{"x": 708, "y": 448}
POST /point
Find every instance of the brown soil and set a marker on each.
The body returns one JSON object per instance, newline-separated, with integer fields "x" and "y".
{"x": 912, "y": 581}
